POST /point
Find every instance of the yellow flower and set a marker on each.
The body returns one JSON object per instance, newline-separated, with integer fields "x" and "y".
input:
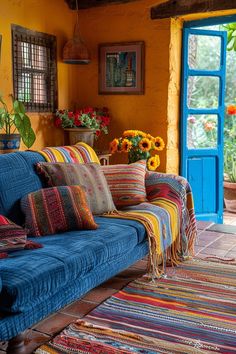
{"x": 145, "y": 144}
{"x": 149, "y": 136}
{"x": 114, "y": 145}
{"x": 159, "y": 143}
{"x": 141, "y": 133}
{"x": 129, "y": 133}
{"x": 126, "y": 145}
{"x": 153, "y": 162}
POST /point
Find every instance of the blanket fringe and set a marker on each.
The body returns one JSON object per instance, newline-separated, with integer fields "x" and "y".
{"x": 173, "y": 255}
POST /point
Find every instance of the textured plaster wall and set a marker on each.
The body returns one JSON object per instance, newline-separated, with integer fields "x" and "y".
{"x": 52, "y": 17}
{"x": 123, "y": 23}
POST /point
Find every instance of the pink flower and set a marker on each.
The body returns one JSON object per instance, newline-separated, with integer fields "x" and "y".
{"x": 105, "y": 120}
{"x": 98, "y": 132}
{"x": 192, "y": 119}
{"x": 70, "y": 115}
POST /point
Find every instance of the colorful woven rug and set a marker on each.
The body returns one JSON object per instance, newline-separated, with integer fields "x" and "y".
{"x": 193, "y": 310}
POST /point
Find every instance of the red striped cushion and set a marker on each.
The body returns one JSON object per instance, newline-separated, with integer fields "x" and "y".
{"x": 57, "y": 209}
{"x": 12, "y": 236}
{"x": 126, "y": 183}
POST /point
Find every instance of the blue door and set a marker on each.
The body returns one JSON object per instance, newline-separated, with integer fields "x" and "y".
{"x": 202, "y": 120}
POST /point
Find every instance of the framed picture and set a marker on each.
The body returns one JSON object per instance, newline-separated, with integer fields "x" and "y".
{"x": 121, "y": 68}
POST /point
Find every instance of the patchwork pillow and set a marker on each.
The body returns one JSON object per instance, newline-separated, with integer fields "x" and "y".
{"x": 127, "y": 183}
{"x": 12, "y": 236}
{"x": 52, "y": 210}
{"x": 88, "y": 175}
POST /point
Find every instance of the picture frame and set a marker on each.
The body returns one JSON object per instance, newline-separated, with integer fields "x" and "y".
{"x": 121, "y": 68}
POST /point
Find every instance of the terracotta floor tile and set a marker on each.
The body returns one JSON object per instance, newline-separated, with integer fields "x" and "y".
{"x": 33, "y": 340}
{"x": 197, "y": 249}
{"x": 213, "y": 252}
{"x": 99, "y": 294}
{"x": 202, "y": 242}
{"x": 202, "y": 225}
{"x": 54, "y": 323}
{"x": 211, "y": 235}
{"x": 231, "y": 255}
{"x": 223, "y": 244}
{"x": 79, "y": 308}
{"x": 115, "y": 283}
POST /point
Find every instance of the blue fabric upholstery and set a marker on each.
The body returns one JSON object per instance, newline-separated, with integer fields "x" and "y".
{"x": 17, "y": 178}
{"x": 30, "y": 277}
{"x": 35, "y": 283}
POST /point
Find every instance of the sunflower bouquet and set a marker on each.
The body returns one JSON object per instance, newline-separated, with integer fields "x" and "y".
{"x": 139, "y": 146}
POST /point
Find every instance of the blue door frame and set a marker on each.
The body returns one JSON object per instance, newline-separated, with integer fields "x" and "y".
{"x": 204, "y": 167}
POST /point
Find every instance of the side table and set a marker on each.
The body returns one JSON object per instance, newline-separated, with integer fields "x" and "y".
{"x": 104, "y": 157}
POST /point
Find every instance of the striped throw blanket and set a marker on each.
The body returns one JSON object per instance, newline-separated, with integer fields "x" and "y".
{"x": 79, "y": 153}
{"x": 168, "y": 214}
{"x": 169, "y": 219}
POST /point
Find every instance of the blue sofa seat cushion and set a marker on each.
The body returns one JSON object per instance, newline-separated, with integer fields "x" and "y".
{"x": 31, "y": 277}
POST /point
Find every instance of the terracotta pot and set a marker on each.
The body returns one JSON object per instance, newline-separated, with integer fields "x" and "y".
{"x": 74, "y": 135}
{"x": 9, "y": 143}
{"x": 230, "y": 196}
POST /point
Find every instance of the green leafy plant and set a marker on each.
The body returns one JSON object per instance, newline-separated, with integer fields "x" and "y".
{"x": 16, "y": 120}
{"x": 231, "y": 35}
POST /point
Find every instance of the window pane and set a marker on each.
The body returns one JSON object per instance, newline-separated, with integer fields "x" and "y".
{"x": 39, "y": 88}
{"x": 39, "y": 57}
{"x": 203, "y": 92}
{"x": 24, "y": 87}
{"x": 202, "y": 131}
{"x": 204, "y": 52}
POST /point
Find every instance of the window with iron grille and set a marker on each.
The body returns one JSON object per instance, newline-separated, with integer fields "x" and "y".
{"x": 34, "y": 69}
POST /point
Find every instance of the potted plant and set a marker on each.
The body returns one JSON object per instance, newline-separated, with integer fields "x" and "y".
{"x": 139, "y": 146}
{"x": 83, "y": 124}
{"x": 230, "y": 162}
{"x": 15, "y": 125}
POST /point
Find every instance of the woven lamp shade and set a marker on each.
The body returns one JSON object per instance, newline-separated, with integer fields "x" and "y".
{"x": 75, "y": 51}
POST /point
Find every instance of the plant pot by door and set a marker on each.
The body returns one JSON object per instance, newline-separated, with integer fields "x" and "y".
{"x": 74, "y": 135}
{"x": 230, "y": 196}
{"x": 9, "y": 143}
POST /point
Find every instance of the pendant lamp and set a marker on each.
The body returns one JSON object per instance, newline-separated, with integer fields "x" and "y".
{"x": 75, "y": 50}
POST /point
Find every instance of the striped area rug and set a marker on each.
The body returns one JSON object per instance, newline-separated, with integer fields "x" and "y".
{"x": 193, "y": 310}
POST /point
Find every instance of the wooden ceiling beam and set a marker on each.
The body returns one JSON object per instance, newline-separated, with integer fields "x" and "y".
{"x": 85, "y": 4}
{"x": 174, "y": 8}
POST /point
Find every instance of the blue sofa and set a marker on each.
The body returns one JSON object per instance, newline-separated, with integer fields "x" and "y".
{"x": 36, "y": 283}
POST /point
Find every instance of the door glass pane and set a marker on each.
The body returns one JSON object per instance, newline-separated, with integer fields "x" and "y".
{"x": 202, "y": 131}
{"x": 203, "y": 91}
{"x": 204, "y": 52}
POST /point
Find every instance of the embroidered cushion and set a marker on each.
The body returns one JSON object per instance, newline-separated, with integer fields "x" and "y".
{"x": 57, "y": 209}
{"x": 88, "y": 175}
{"x": 12, "y": 236}
{"x": 127, "y": 183}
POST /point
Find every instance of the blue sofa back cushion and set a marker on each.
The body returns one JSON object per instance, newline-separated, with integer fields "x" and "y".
{"x": 30, "y": 277}
{"x": 17, "y": 178}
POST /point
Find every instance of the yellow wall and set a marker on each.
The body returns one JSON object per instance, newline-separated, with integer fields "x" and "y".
{"x": 123, "y": 23}
{"x": 52, "y": 17}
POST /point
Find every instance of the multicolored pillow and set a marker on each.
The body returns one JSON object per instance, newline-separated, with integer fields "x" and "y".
{"x": 52, "y": 210}
{"x": 127, "y": 183}
{"x": 12, "y": 236}
{"x": 88, "y": 175}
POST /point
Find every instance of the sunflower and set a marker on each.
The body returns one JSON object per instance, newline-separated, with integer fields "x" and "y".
{"x": 129, "y": 133}
{"x": 153, "y": 162}
{"x": 126, "y": 145}
{"x": 159, "y": 143}
{"x": 114, "y": 145}
{"x": 141, "y": 133}
{"x": 145, "y": 144}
